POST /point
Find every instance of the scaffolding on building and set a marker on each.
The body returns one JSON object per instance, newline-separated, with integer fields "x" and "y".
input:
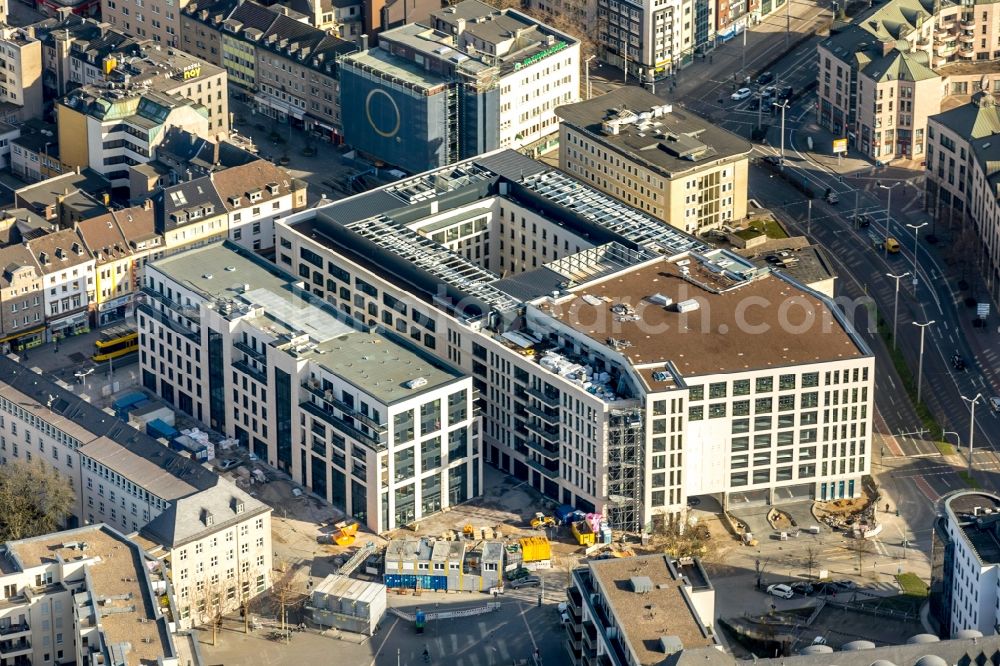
{"x": 626, "y": 454}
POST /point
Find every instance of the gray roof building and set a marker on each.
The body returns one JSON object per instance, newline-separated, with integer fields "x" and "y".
{"x": 195, "y": 516}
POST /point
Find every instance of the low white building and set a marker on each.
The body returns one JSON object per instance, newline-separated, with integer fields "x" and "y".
{"x": 367, "y": 420}
{"x": 348, "y": 604}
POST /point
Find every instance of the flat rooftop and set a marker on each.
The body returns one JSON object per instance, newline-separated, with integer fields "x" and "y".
{"x": 978, "y": 514}
{"x": 647, "y": 617}
{"x": 722, "y": 334}
{"x": 381, "y": 366}
{"x": 378, "y": 363}
{"x": 393, "y": 67}
{"x": 150, "y": 474}
{"x": 118, "y": 579}
{"x": 670, "y": 140}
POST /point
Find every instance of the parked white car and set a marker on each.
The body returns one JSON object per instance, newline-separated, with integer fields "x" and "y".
{"x": 780, "y": 590}
{"x": 741, "y": 94}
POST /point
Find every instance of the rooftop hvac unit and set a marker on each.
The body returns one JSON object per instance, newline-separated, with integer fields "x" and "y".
{"x": 660, "y": 299}
{"x": 416, "y": 383}
{"x": 689, "y": 305}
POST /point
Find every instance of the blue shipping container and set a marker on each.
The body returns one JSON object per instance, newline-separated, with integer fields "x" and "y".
{"x": 128, "y": 400}
{"x": 159, "y": 428}
{"x": 409, "y": 582}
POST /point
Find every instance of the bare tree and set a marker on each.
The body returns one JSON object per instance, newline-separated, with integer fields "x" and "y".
{"x": 860, "y": 547}
{"x": 285, "y": 596}
{"x": 208, "y": 604}
{"x": 810, "y": 559}
{"x": 34, "y": 499}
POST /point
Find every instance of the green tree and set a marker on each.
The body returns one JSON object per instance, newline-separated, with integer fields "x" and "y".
{"x": 34, "y": 500}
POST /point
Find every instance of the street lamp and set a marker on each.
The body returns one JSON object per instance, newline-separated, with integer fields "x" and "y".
{"x": 782, "y": 106}
{"x": 888, "y": 213}
{"x": 916, "y": 248}
{"x": 895, "y": 306}
{"x": 586, "y": 64}
{"x": 972, "y": 425}
{"x": 920, "y": 362}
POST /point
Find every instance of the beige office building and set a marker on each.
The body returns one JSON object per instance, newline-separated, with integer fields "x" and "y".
{"x": 673, "y": 165}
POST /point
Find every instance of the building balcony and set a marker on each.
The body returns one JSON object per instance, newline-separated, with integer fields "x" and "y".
{"x": 250, "y": 371}
{"x": 12, "y": 631}
{"x": 547, "y": 417}
{"x": 328, "y": 397}
{"x": 574, "y": 639}
{"x": 173, "y": 325}
{"x": 966, "y": 51}
{"x": 923, "y": 41}
{"x": 379, "y": 444}
{"x": 946, "y": 49}
{"x": 545, "y": 470}
{"x": 13, "y": 648}
{"x": 190, "y": 312}
{"x": 967, "y": 25}
{"x": 547, "y": 433}
{"x": 539, "y": 447}
{"x": 947, "y": 23}
{"x": 255, "y": 354}
{"x": 967, "y": 38}
{"x": 552, "y": 400}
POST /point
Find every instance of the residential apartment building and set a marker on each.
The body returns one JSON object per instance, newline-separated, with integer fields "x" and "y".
{"x": 21, "y": 61}
{"x": 67, "y": 268}
{"x": 190, "y": 214}
{"x": 110, "y": 129}
{"x": 474, "y": 80}
{"x": 116, "y": 268}
{"x": 650, "y": 39}
{"x": 88, "y": 595}
{"x": 34, "y": 153}
{"x": 156, "y": 20}
{"x": 22, "y": 312}
{"x": 370, "y": 422}
{"x": 63, "y": 200}
{"x": 677, "y": 167}
{"x": 381, "y": 15}
{"x": 607, "y": 623}
{"x": 189, "y": 517}
{"x": 285, "y": 67}
{"x": 546, "y": 291}
{"x": 965, "y": 560}
{"x": 883, "y": 76}
{"x": 963, "y": 177}
{"x": 254, "y": 195}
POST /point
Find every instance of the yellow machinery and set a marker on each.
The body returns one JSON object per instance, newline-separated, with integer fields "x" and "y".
{"x": 541, "y": 521}
{"x": 535, "y": 549}
{"x": 346, "y": 535}
{"x": 469, "y": 532}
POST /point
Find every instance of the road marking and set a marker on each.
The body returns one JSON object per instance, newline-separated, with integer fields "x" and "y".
{"x": 927, "y": 490}
{"x": 534, "y": 645}
{"x": 385, "y": 640}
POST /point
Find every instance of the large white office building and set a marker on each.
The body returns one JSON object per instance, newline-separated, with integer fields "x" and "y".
{"x": 621, "y": 365}
{"x": 370, "y": 421}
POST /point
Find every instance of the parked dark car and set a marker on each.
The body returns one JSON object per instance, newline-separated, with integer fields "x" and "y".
{"x": 765, "y": 78}
{"x": 528, "y": 581}
{"x": 845, "y": 585}
{"x": 864, "y": 220}
{"x": 958, "y": 362}
{"x": 786, "y": 93}
{"x": 803, "y": 588}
